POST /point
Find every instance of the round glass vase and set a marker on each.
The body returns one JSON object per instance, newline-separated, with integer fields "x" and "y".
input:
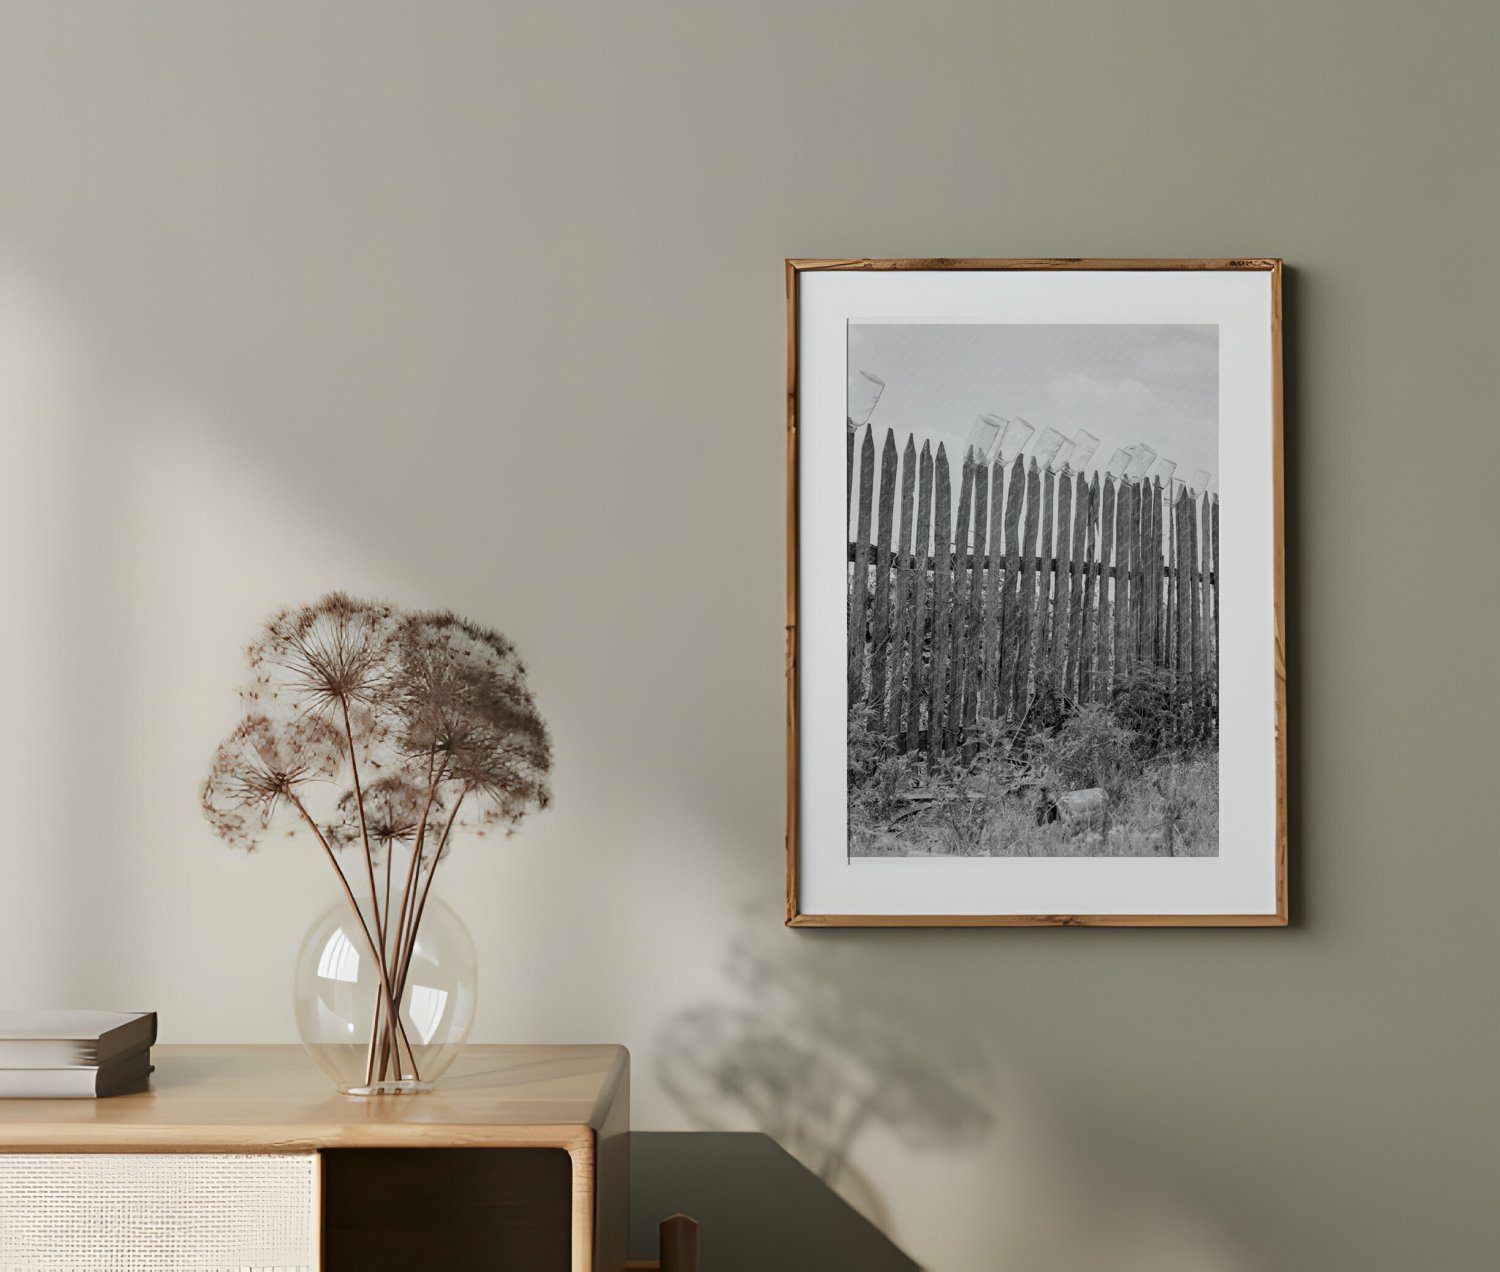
{"x": 340, "y": 1000}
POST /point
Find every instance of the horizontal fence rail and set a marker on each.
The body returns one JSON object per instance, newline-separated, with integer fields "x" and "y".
{"x": 970, "y": 599}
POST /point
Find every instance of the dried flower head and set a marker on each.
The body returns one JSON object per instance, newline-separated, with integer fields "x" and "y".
{"x": 394, "y": 807}
{"x": 324, "y": 658}
{"x": 420, "y": 707}
{"x": 261, "y": 768}
{"x": 461, "y": 694}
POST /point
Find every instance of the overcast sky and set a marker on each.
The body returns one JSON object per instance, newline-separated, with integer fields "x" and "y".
{"x": 1123, "y": 383}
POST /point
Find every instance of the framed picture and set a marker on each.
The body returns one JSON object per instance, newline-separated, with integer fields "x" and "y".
{"x": 1035, "y": 665}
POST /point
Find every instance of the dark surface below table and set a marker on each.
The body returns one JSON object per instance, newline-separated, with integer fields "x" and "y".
{"x": 758, "y": 1207}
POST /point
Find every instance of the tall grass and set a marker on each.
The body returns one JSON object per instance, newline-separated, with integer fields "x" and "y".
{"x": 1152, "y": 754}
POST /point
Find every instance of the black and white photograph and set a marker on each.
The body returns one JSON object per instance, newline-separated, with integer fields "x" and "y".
{"x": 1033, "y": 589}
{"x": 1036, "y": 666}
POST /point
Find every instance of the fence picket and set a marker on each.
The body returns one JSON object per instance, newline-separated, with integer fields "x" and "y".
{"x": 1043, "y": 621}
{"x": 1024, "y": 654}
{"x": 921, "y": 557}
{"x": 974, "y": 637}
{"x": 860, "y": 593}
{"x": 1124, "y": 584}
{"x": 991, "y": 633}
{"x": 1090, "y": 588}
{"x": 953, "y": 715}
{"x": 1075, "y": 586}
{"x": 1216, "y": 584}
{"x": 1195, "y": 596}
{"x": 1104, "y": 667}
{"x": 849, "y": 478}
{"x": 1145, "y": 614}
{"x": 1063, "y": 579}
{"x": 880, "y": 622}
{"x": 1171, "y": 649}
{"x": 1206, "y": 652}
{"x": 901, "y": 627}
{"x": 1159, "y": 612}
{"x": 1013, "y": 674}
{"x": 942, "y": 529}
{"x": 1182, "y": 662}
{"x": 1172, "y": 518}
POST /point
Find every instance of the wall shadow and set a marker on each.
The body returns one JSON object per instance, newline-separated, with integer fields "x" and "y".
{"x": 797, "y": 1056}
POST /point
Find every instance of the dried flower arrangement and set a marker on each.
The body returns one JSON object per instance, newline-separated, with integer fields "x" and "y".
{"x": 379, "y": 732}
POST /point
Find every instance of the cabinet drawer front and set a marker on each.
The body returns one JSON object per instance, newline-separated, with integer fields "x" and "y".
{"x": 158, "y": 1212}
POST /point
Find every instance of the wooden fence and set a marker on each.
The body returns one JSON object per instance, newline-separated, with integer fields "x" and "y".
{"x": 1038, "y": 583}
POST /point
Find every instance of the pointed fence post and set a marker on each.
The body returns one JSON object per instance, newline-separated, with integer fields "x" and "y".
{"x": 974, "y": 636}
{"x": 942, "y": 587}
{"x": 1024, "y": 654}
{"x": 1075, "y": 588}
{"x": 905, "y": 583}
{"x": 921, "y": 565}
{"x": 954, "y": 716}
{"x": 880, "y": 622}
{"x": 1090, "y": 588}
{"x": 1105, "y": 667}
{"x": 859, "y": 589}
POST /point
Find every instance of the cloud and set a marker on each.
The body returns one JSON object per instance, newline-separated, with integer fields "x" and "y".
{"x": 1125, "y": 399}
{"x": 1191, "y": 351}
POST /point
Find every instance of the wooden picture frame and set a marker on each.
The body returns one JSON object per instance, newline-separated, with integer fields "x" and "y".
{"x": 1056, "y": 306}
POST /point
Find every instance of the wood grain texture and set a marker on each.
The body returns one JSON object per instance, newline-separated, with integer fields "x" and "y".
{"x": 962, "y": 557}
{"x": 860, "y": 597}
{"x": 1125, "y": 586}
{"x": 1043, "y": 619}
{"x": 1194, "y": 582}
{"x": 1182, "y": 631}
{"x": 1075, "y": 587}
{"x": 1090, "y": 554}
{"x": 244, "y": 1099}
{"x": 974, "y": 644}
{"x": 273, "y": 1099}
{"x": 1063, "y": 569}
{"x": 992, "y": 632}
{"x": 1013, "y": 674}
{"x": 1028, "y": 586}
{"x": 905, "y": 587}
{"x": 1104, "y": 668}
{"x": 1267, "y": 263}
{"x": 1278, "y": 523}
{"x": 793, "y": 538}
{"x": 942, "y": 594}
{"x": 1130, "y": 577}
{"x": 1035, "y": 920}
{"x": 917, "y": 684}
{"x": 880, "y": 622}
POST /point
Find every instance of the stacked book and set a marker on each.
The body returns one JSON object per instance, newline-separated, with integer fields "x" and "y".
{"x": 49, "y": 1055}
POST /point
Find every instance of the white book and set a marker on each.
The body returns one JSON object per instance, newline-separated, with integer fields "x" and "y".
{"x": 120, "y": 1076}
{"x": 72, "y": 1039}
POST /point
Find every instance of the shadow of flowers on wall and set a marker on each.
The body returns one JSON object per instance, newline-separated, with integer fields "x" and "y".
{"x": 799, "y": 1057}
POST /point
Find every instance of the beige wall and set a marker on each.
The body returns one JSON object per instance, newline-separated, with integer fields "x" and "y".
{"x": 481, "y": 305}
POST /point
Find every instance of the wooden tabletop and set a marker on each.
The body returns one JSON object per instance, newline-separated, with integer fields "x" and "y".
{"x": 275, "y": 1099}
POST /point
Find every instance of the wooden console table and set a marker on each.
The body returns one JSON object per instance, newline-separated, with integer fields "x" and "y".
{"x": 519, "y": 1160}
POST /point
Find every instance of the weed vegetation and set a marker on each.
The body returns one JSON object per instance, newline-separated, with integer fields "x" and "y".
{"x": 1137, "y": 776}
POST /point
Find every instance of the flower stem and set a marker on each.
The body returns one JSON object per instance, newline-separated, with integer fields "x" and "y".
{"x": 409, "y": 943}
{"x": 385, "y": 984}
{"x": 434, "y": 777}
{"x": 364, "y": 833}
